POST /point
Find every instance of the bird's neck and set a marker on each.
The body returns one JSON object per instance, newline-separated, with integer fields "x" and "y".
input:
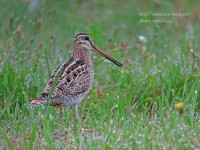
{"x": 80, "y": 53}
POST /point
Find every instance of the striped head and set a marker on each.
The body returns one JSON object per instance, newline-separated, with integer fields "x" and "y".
{"x": 85, "y": 41}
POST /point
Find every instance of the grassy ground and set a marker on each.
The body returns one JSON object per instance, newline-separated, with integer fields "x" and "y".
{"x": 128, "y": 108}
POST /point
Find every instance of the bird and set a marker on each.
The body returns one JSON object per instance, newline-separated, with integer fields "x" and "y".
{"x": 74, "y": 77}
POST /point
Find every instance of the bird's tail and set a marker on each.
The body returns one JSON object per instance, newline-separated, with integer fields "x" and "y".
{"x": 37, "y": 102}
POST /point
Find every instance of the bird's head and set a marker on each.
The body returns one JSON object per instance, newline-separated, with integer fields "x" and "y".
{"x": 83, "y": 40}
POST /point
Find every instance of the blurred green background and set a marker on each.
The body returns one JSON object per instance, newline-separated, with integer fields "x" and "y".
{"x": 158, "y": 43}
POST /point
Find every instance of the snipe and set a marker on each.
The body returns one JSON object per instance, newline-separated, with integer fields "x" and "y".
{"x": 76, "y": 76}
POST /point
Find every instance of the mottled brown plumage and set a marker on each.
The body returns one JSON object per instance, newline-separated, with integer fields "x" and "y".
{"x": 76, "y": 77}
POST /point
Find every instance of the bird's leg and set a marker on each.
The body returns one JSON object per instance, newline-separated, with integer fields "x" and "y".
{"x": 76, "y": 112}
{"x": 60, "y": 113}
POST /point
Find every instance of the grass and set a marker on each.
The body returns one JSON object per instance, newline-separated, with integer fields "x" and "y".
{"x": 128, "y": 108}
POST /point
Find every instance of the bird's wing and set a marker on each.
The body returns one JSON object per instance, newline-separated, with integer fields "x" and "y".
{"x": 74, "y": 80}
{"x": 70, "y": 71}
{"x": 53, "y": 77}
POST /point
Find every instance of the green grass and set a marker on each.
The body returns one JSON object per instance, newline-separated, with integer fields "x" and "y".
{"x": 128, "y": 108}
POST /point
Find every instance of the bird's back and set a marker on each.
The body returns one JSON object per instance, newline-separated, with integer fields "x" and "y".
{"x": 73, "y": 83}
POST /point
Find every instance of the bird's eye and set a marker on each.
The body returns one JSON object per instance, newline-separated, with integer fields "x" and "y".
{"x": 86, "y": 37}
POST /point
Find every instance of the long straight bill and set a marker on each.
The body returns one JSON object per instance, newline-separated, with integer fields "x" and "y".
{"x": 106, "y": 56}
